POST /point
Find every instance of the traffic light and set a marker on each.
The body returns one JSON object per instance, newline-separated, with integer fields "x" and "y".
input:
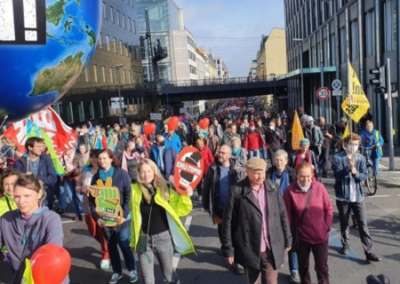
{"x": 380, "y": 79}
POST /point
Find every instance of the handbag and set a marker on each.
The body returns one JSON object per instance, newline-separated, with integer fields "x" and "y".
{"x": 141, "y": 246}
{"x": 295, "y": 233}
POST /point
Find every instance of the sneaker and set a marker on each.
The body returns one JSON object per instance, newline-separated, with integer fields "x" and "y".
{"x": 345, "y": 249}
{"x": 133, "y": 276}
{"x": 114, "y": 278}
{"x": 239, "y": 269}
{"x": 104, "y": 264}
{"x": 294, "y": 277}
{"x": 372, "y": 257}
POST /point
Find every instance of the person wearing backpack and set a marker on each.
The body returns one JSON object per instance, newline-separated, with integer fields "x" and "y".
{"x": 314, "y": 134}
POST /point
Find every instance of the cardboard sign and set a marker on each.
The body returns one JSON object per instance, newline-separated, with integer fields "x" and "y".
{"x": 189, "y": 167}
{"x": 107, "y": 202}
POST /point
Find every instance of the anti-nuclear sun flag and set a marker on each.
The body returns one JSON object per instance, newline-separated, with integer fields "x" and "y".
{"x": 356, "y": 104}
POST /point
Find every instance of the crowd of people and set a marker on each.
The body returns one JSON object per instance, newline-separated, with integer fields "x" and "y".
{"x": 261, "y": 212}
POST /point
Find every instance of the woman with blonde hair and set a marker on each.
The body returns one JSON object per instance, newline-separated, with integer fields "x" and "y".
{"x": 156, "y": 228}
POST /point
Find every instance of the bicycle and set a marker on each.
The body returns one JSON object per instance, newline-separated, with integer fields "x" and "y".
{"x": 371, "y": 183}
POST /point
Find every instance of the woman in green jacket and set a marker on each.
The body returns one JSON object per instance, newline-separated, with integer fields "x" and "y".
{"x": 156, "y": 228}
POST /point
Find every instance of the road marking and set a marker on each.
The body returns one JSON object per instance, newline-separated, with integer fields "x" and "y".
{"x": 378, "y": 196}
{"x": 177, "y": 256}
{"x": 65, "y": 222}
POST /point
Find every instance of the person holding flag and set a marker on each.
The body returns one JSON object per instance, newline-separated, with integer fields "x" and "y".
{"x": 39, "y": 164}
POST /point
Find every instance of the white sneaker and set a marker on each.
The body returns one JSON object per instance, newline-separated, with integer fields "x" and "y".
{"x": 104, "y": 264}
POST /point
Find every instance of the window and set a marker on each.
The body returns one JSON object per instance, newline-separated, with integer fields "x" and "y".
{"x": 112, "y": 14}
{"x": 100, "y": 41}
{"x": 134, "y": 26}
{"x": 128, "y": 24}
{"x": 123, "y": 21}
{"x": 95, "y": 73}
{"x": 91, "y": 110}
{"x": 111, "y": 76}
{"x": 104, "y": 10}
{"x": 87, "y": 75}
{"x": 117, "y": 18}
{"x": 120, "y": 47}
{"x": 81, "y": 112}
{"x": 67, "y": 109}
{"x": 128, "y": 77}
{"x": 369, "y": 34}
{"x": 99, "y": 109}
{"x": 343, "y": 46}
{"x": 108, "y": 42}
{"x": 355, "y": 43}
{"x": 390, "y": 18}
{"x": 126, "y": 49}
{"x": 115, "y": 45}
{"x": 333, "y": 50}
{"x": 103, "y": 73}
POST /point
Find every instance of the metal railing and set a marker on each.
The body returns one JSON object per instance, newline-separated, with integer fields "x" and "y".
{"x": 218, "y": 81}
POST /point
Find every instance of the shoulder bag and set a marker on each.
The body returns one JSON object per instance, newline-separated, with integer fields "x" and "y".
{"x": 295, "y": 233}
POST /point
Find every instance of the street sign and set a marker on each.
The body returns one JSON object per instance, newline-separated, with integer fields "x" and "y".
{"x": 116, "y": 99}
{"x": 323, "y": 93}
{"x": 155, "y": 116}
{"x": 117, "y": 105}
{"x": 336, "y": 84}
{"x": 337, "y": 93}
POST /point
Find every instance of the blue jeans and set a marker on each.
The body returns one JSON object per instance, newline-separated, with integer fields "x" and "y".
{"x": 68, "y": 189}
{"x": 254, "y": 153}
{"x": 375, "y": 162}
{"x": 265, "y": 153}
{"x": 120, "y": 235}
{"x": 293, "y": 261}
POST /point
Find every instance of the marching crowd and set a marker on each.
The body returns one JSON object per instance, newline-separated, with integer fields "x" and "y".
{"x": 261, "y": 212}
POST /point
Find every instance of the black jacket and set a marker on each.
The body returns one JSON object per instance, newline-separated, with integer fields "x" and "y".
{"x": 211, "y": 185}
{"x": 242, "y": 225}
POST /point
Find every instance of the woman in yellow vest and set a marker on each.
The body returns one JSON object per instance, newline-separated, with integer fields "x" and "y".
{"x": 156, "y": 228}
{"x": 9, "y": 176}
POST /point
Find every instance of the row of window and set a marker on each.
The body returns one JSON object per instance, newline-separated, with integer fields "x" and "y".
{"x": 74, "y": 112}
{"x": 192, "y": 69}
{"x": 119, "y": 47}
{"x": 191, "y": 42}
{"x": 119, "y": 19}
{"x": 192, "y": 56}
{"x": 109, "y": 75}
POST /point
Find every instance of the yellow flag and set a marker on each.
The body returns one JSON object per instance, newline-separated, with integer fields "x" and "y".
{"x": 356, "y": 104}
{"x": 346, "y": 130}
{"x": 27, "y": 278}
{"x": 297, "y": 132}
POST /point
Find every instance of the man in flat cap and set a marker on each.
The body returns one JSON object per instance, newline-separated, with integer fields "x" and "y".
{"x": 255, "y": 228}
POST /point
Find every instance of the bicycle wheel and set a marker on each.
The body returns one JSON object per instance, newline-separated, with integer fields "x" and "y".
{"x": 371, "y": 182}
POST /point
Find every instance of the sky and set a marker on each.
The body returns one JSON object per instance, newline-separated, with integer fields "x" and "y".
{"x": 232, "y": 29}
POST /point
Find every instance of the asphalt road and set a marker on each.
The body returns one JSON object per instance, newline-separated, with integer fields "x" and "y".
{"x": 207, "y": 267}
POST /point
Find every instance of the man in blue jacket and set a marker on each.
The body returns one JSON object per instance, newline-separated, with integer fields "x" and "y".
{"x": 40, "y": 165}
{"x": 164, "y": 157}
{"x": 350, "y": 171}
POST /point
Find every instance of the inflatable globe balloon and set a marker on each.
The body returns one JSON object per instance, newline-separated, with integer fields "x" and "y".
{"x": 44, "y": 46}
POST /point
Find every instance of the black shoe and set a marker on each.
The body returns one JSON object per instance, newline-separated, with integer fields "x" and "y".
{"x": 345, "y": 249}
{"x": 60, "y": 211}
{"x": 325, "y": 176}
{"x": 372, "y": 257}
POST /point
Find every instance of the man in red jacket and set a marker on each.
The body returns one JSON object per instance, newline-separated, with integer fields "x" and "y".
{"x": 253, "y": 141}
{"x": 208, "y": 159}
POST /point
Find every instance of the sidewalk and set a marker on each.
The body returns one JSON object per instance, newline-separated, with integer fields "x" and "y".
{"x": 389, "y": 179}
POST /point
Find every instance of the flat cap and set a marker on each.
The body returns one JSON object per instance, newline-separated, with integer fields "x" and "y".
{"x": 255, "y": 163}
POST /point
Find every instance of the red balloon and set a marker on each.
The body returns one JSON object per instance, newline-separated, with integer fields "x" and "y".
{"x": 173, "y": 123}
{"x": 204, "y": 123}
{"x": 149, "y": 128}
{"x": 50, "y": 260}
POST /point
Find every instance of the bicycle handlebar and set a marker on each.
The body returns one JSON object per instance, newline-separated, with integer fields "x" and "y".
{"x": 368, "y": 148}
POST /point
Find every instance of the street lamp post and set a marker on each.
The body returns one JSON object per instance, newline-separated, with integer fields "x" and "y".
{"x": 273, "y": 75}
{"x": 121, "y": 117}
{"x": 301, "y": 70}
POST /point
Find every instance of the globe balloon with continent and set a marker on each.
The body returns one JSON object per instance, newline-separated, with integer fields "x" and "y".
{"x": 43, "y": 50}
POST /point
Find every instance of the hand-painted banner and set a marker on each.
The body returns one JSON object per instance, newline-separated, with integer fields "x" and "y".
{"x": 189, "y": 166}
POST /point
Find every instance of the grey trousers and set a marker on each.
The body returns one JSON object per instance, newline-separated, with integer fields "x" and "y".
{"x": 160, "y": 246}
{"x": 359, "y": 211}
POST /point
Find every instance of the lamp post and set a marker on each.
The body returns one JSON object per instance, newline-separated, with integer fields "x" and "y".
{"x": 301, "y": 70}
{"x": 121, "y": 117}
{"x": 273, "y": 75}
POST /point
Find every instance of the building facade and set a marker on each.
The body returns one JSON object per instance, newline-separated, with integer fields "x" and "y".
{"x": 322, "y": 36}
{"x": 116, "y": 66}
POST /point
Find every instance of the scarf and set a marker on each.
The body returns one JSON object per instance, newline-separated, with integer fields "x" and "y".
{"x": 104, "y": 175}
{"x": 160, "y": 158}
{"x": 284, "y": 177}
{"x": 369, "y": 139}
{"x": 236, "y": 152}
{"x": 126, "y": 157}
{"x": 299, "y": 159}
